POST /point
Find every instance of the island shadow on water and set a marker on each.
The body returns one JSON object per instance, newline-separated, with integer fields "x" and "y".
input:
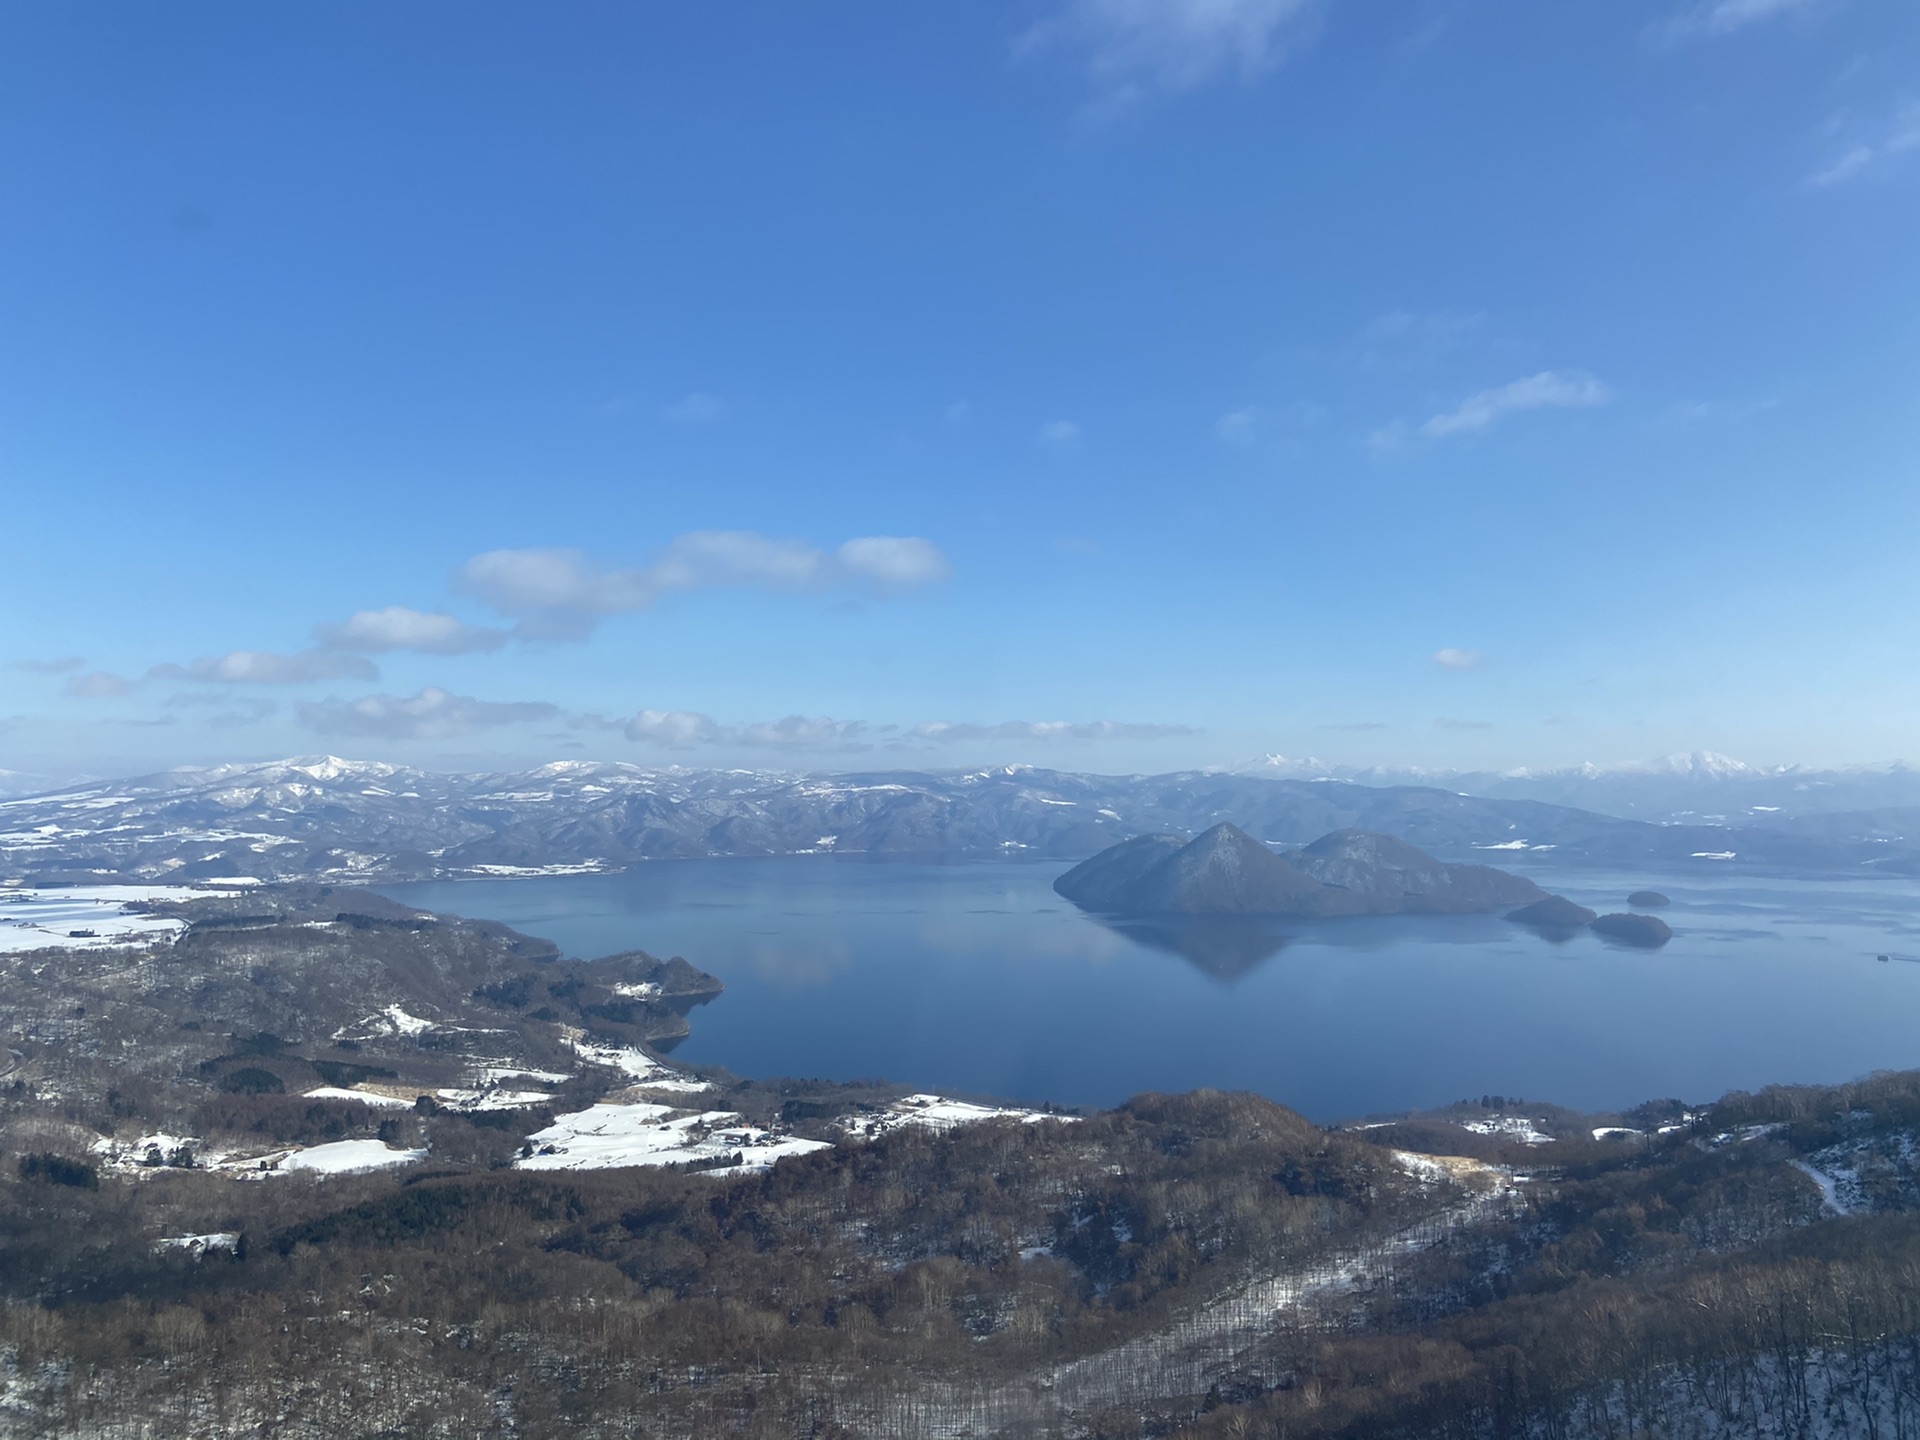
{"x": 1225, "y": 948}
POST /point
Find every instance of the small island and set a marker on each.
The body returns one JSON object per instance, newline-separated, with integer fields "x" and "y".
{"x": 1648, "y": 931}
{"x": 1225, "y": 871}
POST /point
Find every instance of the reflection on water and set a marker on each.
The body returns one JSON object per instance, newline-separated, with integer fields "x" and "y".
{"x": 976, "y": 977}
{"x": 1224, "y": 947}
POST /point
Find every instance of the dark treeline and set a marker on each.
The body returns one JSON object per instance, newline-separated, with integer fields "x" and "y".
{"x": 924, "y": 1283}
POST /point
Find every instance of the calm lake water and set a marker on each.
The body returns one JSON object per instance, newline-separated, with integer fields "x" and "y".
{"x": 976, "y": 977}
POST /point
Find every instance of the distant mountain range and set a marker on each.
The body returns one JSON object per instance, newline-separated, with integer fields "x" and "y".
{"x": 1696, "y": 787}
{"x": 327, "y": 818}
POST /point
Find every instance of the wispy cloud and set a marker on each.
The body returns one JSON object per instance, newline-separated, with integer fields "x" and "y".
{"x": 560, "y": 594}
{"x": 1356, "y": 725}
{"x": 60, "y": 665}
{"x": 225, "y": 711}
{"x": 268, "y": 667}
{"x": 432, "y": 714}
{"x": 945, "y": 730}
{"x": 1548, "y": 390}
{"x": 1061, "y": 434}
{"x": 699, "y": 408}
{"x": 1894, "y": 138}
{"x": 1239, "y": 428}
{"x": 1706, "y": 19}
{"x": 375, "y": 632}
{"x": 97, "y": 685}
{"x": 1451, "y": 657}
{"x": 1410, "y": 339}
{"x": 688, "y": 729}
{"x": 1448, "y": 723}
{"x": 1132, "y": 48}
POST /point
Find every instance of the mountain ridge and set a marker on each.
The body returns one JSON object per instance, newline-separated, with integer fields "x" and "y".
{"x": 324, "y": 817}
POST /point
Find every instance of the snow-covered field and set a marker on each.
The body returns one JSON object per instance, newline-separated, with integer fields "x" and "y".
{"x": 936, "y": 1112}
{"x": 607, "y": 1137}
{"x": 611, "y": 1135}
{"x": 1511, "y": 1127}
{"x": 157, "y": 1153}
{"x": 348, "y": 1157}
{"x": 640, "y": 1067}
{"x": 88, "y": 916}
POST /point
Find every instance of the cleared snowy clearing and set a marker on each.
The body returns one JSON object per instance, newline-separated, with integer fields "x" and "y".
{"x": 159, "y": 1153}
{"x": 89, "y": 917}
{"x": 936, "y": 1112}
{"x": 610, "y": 1137}
{"x": 346, "y": 1157}
{"x": 365, "y": 1097}
{"x": 637, "y": 1065}
{"x": 1511, "y": 1127}
{"x": 199, "y": 1244}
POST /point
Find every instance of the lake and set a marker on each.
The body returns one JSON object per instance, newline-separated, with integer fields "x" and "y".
{"x": 975, "y": 977}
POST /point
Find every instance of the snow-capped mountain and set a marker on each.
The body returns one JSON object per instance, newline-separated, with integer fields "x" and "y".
{"x": 1699, "y": 786}
{"x": 325, "y": 817}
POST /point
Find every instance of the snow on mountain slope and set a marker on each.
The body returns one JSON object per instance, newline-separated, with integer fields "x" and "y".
{"x": 325, "y": 817}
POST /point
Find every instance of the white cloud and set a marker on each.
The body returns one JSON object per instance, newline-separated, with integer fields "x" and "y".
{"x": 1723, "y": 17}
{"x": 264, "y": 667}
{"x": 1898, "y": 137}
{"x": 1238, "y": 427}
{"x": 687, "y": 729}
{"x": 433, "y": 714}
{"x": 674, "y": 729}
{"x": 699, "y": 408}
{"x": 802, "y": 732}
{"x": 61, "y": 665}
{"x": 895, "y": 560}
{"x": 399, "y": 628}
{"x": 559, "y": 594}
{"x": 1451, "y": 658}
{"x": 1407, "y": 339}
{"x": 944, "y": 730}
{"x": 1060, "y": 433}
{"x": 1135, "y": 46}
{"x": 1550, "y": 389}
{"x": 96, "y": 685}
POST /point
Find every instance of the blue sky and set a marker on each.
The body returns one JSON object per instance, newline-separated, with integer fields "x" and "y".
{"x": 1110, "y": 384}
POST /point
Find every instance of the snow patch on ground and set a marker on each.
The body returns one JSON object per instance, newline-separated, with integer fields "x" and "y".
{"x": 1509, "y": 1127}
{"x": 491, "y": 1099}
{"x": 611, "y": 1136}
{"x": 89, "y": 916}
{"x": 147, "y": 1153}
{"x": 347, "y": 1157}
{"x": 198, "y": 1245}
{"x": 509, "y": 872}
{"x": 391, "y": 1020}
{"x": 500, "y": 1074}
{"x": 365, "y": 1097}
{"x": 1858, "y": 1177}
{"x": 936, "y": 1112}
{"x": 636, "y": 1064}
